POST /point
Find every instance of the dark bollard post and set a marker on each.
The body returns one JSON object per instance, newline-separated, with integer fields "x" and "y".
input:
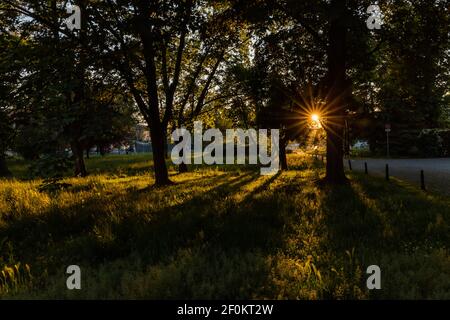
{"x": 422, "y": 180}
{"x": 366, "y": 170}
{"x": 349, "y": 164}
{"x": 387, "y": 172}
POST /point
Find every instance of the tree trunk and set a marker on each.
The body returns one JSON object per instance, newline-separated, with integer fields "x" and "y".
{"x": 283, "y": 157}
{"x": 347, "y": 139}
{"x": 335, "y": 167}
{"x": 166, "y": 151}
{"x": 183, "y": 168}
{"x": 166, "y": 145}
{"x": 80, "y": 167}
{"x": 150, "y": 110}
{"x": 337, "y": 91}
{"x": 4, "y": 171}
{"x": 159, "y": 159}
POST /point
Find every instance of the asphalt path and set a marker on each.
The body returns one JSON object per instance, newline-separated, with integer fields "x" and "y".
{"x": 436, "y": 171}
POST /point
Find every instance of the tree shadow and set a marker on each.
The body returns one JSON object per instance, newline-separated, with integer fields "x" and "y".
{"x": 349, "y": 221}
{"x": 89, "y": 231}
{"x": 375, "y": 217}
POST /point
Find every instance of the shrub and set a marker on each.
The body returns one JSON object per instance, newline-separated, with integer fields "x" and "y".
{"x": 430, "y": 143}
{"x": 445, "y": 136}
{"x": 51, "y": 167}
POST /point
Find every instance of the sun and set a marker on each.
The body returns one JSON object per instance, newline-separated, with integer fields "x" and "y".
{"x": 315, "y": 117}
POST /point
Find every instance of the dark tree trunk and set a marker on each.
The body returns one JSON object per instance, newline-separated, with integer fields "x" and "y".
{"x": 4, "y": 171}
{"x": 166, "y": 145}
{"x": 337, "y": 91}
{"x": 80, "y": 167}
{"x": 183, "y": 168}
{"x": 159, "y": 159}
{"x": 166, "y": 152}
{"x": 335, "y": 167}
{"x": 150, "y": 110}
{"x": 283, "y": 157}
{"x": 87, "y": 153}
{"x": 347, "y": 139}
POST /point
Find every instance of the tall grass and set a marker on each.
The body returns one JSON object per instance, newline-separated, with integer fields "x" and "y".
{"x": 224, "y": 233}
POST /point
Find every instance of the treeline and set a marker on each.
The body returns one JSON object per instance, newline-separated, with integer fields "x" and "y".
{"x": 262, "y": 64}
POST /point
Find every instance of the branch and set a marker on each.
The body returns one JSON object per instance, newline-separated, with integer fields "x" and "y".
{"x": 303, "y": 23}
{"x": 38, "y": 18}
{"x": 164, "y": 68}
{"x": 201, "y": 99}
{"x": 191, "y": 86}
{"x": 176, "y": 76}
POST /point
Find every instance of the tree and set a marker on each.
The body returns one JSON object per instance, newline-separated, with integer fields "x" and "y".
{"x": 149, "y": 55}
{"x": 56, "y": 97}
{"x": 5, "y": 132}
{"x": 144, "y": 44}
{"x": 337, "y": 90}
{"x": 148, "y": 44}
{"x": 313, "y": 18}
{"x": 411, "y": 73}
{"x": 11, "y": 46}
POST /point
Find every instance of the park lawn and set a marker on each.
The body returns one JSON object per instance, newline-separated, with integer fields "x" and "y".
{"x": 221, "y": 234}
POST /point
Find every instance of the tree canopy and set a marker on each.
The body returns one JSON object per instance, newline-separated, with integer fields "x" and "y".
{"x": 265, "y": 63}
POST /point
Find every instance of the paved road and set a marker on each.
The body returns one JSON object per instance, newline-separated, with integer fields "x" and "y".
{"x": 437, "y": 171}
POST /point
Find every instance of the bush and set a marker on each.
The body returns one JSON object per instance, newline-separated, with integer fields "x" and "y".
{"x": 445, "y": 136}
{"x": 430, "y": 143}
{"x": 406, "y": 144}
{"x": 51, "y": 166}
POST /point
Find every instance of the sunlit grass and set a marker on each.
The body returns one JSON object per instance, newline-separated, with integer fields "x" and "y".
{"x": 222, "y": 232}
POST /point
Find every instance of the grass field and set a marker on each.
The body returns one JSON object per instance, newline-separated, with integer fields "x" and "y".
{"x": 221, "y": 234}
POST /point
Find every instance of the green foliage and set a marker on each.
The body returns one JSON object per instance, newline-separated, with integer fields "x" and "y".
{"x": 416, "y": 62}
{"x": 430, "y": 143}
{"x": 219, "y": 232}
{"x": 406, "y": 143}
{"x": 430, "y": 279}
{"x": 445, "y": 136}
{"x": 51, "y": 166}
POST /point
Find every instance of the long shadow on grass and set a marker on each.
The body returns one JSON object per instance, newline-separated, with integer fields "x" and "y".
{"x": 409, "y": 216}
{"x": 373, "y": 215}
{"x": 349, "y": 221}
{"x": 209, "y": 219}
{"x": 213, "y": 219}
